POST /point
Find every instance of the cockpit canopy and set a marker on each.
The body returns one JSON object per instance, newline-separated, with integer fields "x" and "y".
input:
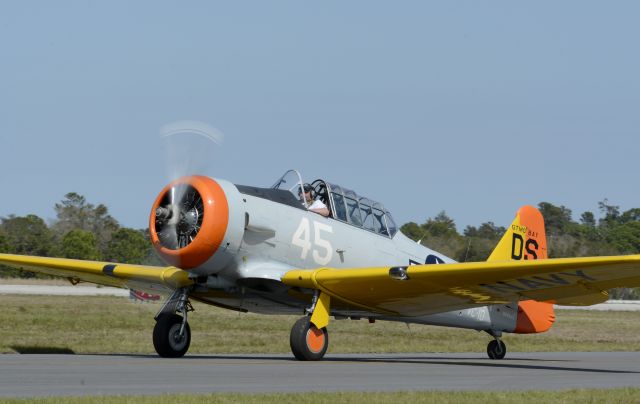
{"x": 344, "y": 204}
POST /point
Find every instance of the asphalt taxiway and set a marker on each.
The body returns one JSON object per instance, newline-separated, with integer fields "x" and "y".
{"x": 43, "y": 375}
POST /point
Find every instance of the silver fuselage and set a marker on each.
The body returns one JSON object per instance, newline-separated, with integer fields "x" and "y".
{"x": 267, "y": 238}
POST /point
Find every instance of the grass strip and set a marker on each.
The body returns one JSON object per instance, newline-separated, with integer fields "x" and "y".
{"x": 105, "y": 324}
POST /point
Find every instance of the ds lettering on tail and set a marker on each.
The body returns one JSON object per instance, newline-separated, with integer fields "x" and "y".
{"x": 519, "y": 247}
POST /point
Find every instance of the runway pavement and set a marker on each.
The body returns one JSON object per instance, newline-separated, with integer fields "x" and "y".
{"x": 41, "y": 375}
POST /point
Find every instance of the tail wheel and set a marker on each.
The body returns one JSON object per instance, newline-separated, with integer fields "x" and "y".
{"x": 496, "y": 349}
{"x": 308, "y": 343}
{"x": 167, "y": 340}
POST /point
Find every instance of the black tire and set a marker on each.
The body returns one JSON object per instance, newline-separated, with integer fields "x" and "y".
{"x": 496, "y": 349}
{"x": 166, "y": 336}
{"x": 307, "y": 342}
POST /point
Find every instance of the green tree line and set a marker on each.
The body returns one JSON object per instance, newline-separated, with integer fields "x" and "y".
{"x": 81, "y": 230}
{"x": 611, "y": 233}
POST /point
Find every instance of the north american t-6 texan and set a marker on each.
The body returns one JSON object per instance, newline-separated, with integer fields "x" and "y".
{"x": 321, "y": 250}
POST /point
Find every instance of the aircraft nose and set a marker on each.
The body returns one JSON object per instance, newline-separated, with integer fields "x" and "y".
{"x": 188, "y": 221}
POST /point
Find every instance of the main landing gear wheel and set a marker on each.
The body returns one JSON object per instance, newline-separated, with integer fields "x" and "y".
{"x": 308, "y": 343}
{"x": 167, "y": 340}
{"x": 496, "y": 349}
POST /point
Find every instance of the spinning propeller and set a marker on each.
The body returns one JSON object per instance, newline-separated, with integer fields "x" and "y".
{"x": 189, "y": 147}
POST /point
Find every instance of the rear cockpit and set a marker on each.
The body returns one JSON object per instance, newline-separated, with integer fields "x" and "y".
{"x": 344, "y": 204}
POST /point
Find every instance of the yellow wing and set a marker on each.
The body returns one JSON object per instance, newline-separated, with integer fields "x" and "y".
{"x": 431, "y": 289}
{"x": 148, "y": 278}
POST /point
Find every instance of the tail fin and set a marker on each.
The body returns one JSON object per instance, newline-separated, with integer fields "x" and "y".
{"x": 526, "y": 239}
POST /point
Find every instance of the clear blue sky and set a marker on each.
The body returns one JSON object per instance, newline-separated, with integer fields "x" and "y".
{"x": 470, "y": 107}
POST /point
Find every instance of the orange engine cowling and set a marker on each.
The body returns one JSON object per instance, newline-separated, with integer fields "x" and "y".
{"x": 188, "y": 221}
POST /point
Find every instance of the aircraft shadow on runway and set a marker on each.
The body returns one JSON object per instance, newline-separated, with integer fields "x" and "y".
{"x": 505, "y": 363}
{"x": 41, "y": 350}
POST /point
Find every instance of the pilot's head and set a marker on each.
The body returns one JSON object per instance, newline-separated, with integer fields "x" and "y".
{"x": 308, "y": 192}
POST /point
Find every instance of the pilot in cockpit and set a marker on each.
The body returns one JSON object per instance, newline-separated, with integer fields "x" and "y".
{"x": 313, "y": 205}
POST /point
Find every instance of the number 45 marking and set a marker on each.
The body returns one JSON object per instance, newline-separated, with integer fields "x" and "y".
{"x": 322, "y": 249}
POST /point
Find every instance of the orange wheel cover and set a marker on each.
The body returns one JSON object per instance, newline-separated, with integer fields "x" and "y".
{"x": 315, "y": 339}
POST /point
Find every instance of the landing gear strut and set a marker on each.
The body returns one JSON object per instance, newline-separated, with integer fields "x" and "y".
{"x": 172, "y": 334}
{"x": 309, "y": 338}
